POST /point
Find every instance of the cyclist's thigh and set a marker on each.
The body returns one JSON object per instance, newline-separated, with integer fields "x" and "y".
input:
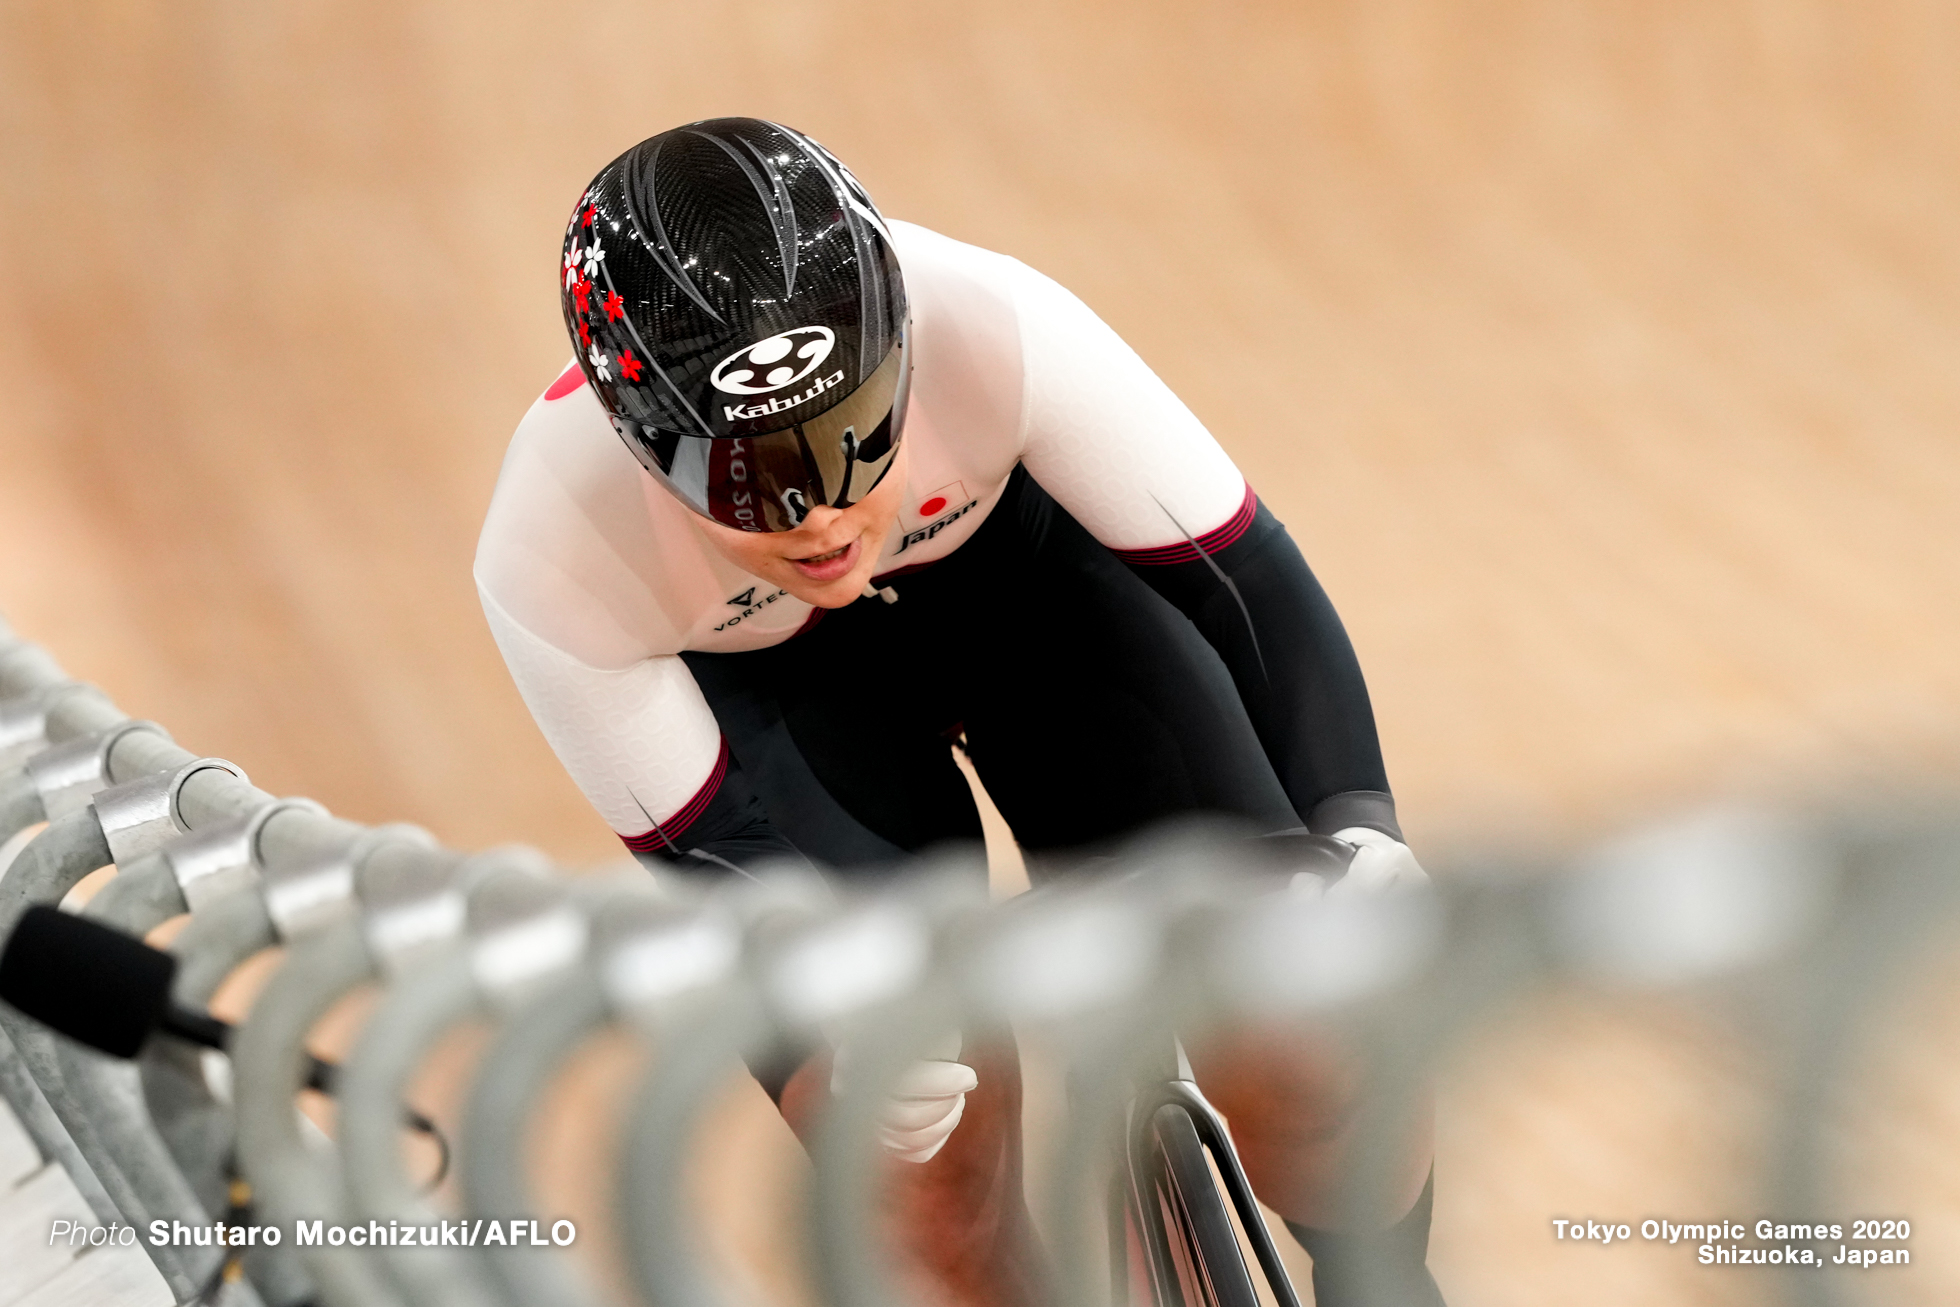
{"x": 853, "y": 774}
{"x": 1102, "y": 710}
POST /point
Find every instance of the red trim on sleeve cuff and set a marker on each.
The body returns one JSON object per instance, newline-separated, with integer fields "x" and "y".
{"x": 1187, "y": 551}
{"x": 652, "y": 841}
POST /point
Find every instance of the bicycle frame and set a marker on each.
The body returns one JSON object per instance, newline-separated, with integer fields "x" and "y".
{"x": 1171, "y": 1234}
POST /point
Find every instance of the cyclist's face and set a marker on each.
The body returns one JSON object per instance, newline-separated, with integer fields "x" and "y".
{"x": 827, "y": 560}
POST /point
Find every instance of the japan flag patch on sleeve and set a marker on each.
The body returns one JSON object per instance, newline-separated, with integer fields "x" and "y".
{"x": 950, "y": 495}
{"x": 937, "y": 511}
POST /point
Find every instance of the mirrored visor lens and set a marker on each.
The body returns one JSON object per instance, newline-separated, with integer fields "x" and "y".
{"x": 770, "y": 483}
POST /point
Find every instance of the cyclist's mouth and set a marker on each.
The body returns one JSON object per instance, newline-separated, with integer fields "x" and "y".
{"x": 830, "y": 566}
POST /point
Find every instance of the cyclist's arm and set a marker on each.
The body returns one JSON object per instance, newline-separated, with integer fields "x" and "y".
{"x": 1261, "y": 608}
{"x": 643, "y": 746}
{"x": 1111, "y": 442}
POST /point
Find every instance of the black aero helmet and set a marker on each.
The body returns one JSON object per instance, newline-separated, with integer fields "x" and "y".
{"x": 736, "y": 304}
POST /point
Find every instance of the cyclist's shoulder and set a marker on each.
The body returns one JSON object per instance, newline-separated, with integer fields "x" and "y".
{"x": 564, "y": 433}
{"x": 563, "y": 457}
{"x": 574, "y": 549}
{"x": 945, "y": 276}
{"x": 945, "y": 264}
{"x": 922, "y": 248}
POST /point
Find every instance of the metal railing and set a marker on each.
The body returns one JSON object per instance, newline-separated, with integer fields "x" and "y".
{"x": 1186, "y": 933}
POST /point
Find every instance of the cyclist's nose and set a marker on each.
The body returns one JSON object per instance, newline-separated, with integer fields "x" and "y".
{"x": 818, "y": 519}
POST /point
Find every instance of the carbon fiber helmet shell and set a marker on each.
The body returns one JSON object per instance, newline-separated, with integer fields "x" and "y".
{"x": 729, "y": 281}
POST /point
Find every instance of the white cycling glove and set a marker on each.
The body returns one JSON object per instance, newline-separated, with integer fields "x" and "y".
{"x": 1381, "y": 864}
{"x": 926, "y": 1103}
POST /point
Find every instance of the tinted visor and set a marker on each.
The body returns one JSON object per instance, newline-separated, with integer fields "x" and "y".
{"x": 771, "y": 482}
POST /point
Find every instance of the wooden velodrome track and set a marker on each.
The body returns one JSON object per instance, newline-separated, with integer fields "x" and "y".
{"x": 1604, "y": 359}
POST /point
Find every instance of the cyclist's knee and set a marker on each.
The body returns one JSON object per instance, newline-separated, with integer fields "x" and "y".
{"x": 1293, "y": 1103}
{"x": 960, "y": 1216}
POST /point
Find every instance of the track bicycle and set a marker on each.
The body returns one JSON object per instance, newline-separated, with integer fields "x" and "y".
{"x": 1172, "y": 1239}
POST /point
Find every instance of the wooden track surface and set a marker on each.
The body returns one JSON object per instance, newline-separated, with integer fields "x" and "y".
{"x": 1602, "y": 357}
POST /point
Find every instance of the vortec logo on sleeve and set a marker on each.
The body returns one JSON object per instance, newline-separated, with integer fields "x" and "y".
{"x": 750, "y": 606}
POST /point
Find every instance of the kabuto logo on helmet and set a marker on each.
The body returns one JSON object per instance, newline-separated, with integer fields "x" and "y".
{"x": 774, "y": 362}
